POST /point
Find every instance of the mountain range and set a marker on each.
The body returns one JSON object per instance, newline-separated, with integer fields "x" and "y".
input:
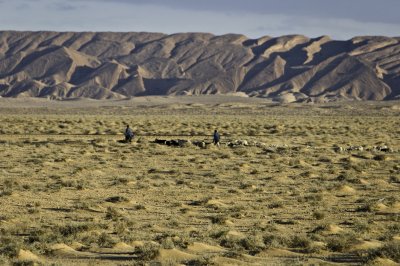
{"x": 110, "y": 65}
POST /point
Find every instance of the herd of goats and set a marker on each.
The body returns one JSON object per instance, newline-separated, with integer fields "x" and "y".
{"x": 269, "y": 148}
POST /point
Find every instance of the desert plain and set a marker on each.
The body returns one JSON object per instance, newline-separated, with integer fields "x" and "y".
{"x": 290, "y": 184}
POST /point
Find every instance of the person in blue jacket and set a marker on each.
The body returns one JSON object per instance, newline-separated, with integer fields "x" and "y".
{"x": 216, "y": 138}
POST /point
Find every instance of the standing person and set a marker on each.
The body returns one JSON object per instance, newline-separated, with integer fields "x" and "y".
{"x": 128, "y": 134}
{"x": 216, "y": 138}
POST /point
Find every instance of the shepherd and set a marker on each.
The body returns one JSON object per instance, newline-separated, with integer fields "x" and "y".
{"x": 216, "y": 138}
{"x": 128, "y": 134}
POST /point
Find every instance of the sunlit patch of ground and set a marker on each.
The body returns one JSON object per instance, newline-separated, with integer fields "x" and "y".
{"x": 70, "y": 193}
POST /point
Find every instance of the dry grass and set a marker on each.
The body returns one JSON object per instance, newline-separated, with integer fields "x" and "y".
{"x": 286, "y": 198}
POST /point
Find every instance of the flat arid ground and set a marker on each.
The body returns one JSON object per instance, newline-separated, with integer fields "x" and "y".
{"x": 290, "y": 184}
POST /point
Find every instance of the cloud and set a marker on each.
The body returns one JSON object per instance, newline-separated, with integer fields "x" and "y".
{"x": 337, "y": 28}
{"x": 385, "y": 11}
{"x": 217, "y": 16}
{"x": 64, "y": 6}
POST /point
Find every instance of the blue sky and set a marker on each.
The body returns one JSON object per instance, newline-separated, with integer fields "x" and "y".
{"x": 340, "y": 19}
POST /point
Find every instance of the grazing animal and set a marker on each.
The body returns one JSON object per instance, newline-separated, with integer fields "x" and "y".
{"x": 200, "y": 144}
{"x": 160, "y": 141}
{"x": 238, "y": 142}
{"x": 172, "y": 142}
{"x": 383, "y": 148}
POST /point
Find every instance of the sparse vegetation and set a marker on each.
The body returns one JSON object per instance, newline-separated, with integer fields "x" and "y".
{"x": 391, "y": 250}
{"x": 288, "y": 190}
{"x": 341, "y": 243}
{"x": 319, "y": 215}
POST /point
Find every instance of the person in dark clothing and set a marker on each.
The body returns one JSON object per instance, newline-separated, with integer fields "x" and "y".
{"x": 216, "y": 138}
{"x": 128, "y": 134}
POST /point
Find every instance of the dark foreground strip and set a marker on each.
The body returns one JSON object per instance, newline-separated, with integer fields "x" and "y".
{"x": 346, "y": 258}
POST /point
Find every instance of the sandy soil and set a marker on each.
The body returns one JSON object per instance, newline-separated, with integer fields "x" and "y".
{"x": 288, "y": 185}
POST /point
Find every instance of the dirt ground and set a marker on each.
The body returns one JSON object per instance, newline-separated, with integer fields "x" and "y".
{"x": 298, "y": 184}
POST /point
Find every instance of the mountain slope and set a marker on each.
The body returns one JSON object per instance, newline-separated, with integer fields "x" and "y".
{"x": 107, "y": 65}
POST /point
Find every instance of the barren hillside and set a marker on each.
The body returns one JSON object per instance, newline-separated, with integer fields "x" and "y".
{"x": 109, "y": 65}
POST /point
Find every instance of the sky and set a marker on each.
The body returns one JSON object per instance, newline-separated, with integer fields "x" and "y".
{"x": 340, "y": 19}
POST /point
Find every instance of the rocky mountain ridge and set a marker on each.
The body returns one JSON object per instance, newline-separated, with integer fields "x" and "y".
{"x": 108, "y": 65}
